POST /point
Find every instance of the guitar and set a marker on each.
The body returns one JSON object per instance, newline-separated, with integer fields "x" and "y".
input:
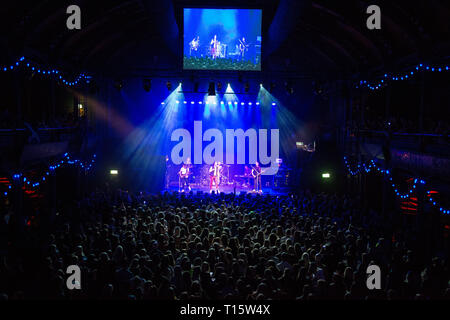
{"x": 186, "y": 175}
{"x": 256, "y": 173}
{"x": 194, "y": 44}
{"x": 243, "y": 47}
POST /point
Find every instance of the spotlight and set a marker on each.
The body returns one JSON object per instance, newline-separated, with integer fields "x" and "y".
{"x": 114, "y": 172}
{"x": 326, "y": 175}
{"x": 247, "y": 87}
{"x": 212, "y": 89}
{"x": 118, "y": 85}
{"x": 147, "y": 84}
{"x": 274, "y": 104}
{"x": 257, "y": 103}
{"x": 169, "y": 85}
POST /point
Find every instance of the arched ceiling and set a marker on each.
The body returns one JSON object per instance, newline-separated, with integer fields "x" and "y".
{"x": 302, "y": 36}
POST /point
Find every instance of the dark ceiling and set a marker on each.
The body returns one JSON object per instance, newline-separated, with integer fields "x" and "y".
{"x": 307, "y": 37}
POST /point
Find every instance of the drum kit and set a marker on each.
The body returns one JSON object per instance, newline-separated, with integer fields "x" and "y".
{"x": 220, "y": 51}
{"x": 224, "y": 175}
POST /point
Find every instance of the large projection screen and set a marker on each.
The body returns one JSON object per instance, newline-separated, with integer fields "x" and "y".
{"x": 222, "y": 39}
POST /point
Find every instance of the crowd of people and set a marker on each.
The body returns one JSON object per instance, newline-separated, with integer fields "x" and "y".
{"x": 194, "y": 63}
{"x": 301, "y": 246}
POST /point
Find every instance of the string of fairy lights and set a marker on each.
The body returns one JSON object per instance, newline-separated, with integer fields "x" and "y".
{"x": 401, "y": 76}
{"x": 36, "y": 182}
{"x": 49, "y": 72}
{"x": 365, "y": 168}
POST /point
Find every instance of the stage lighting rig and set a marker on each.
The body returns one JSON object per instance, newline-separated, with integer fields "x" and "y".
{"x": 169, "y": 85}
{"x": 219, "y": 86}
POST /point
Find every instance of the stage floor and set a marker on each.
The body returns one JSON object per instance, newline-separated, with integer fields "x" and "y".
{"x": 232, "y": 189}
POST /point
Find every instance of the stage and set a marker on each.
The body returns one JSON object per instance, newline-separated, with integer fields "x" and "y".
{"x": 233, "y": 189}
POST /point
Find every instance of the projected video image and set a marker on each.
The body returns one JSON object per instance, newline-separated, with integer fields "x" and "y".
{"x": 222, "y": 39}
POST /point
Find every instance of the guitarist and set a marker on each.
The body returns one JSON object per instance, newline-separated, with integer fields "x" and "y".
{"x": 184, "y": 177}
{"x": 194, "y": 44}
{"x": 256, "y": 173}
{"x": 243, "y": 46}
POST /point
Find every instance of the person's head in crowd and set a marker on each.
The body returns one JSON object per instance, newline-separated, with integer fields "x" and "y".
{"x": 231, "y": 247}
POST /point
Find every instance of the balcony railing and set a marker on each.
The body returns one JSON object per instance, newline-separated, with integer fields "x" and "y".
{"x": 9, "y": 137}
{"x": 434, "y": 144}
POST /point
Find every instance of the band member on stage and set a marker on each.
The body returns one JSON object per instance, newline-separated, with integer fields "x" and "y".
{"x": 256, "y": 172}
{"x": 218, "y": 49}
{"x": 184, "y": 177}
{"x": 214, "y": 46}
{"x": 194, "y": 45}
{"x": 242, "y": 47}
{"x": 214, "y": 176}
{"x": 189, "y": 164}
